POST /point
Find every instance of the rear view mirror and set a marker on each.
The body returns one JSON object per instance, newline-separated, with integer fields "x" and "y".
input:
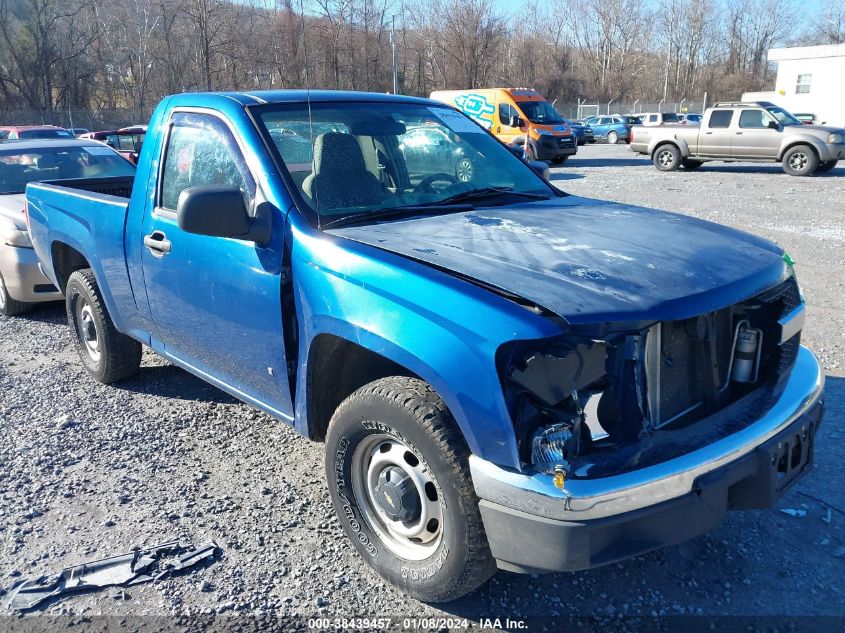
{"x": 516, "y": 121}
{"x": 220, "y": 211}
{"x": 540, "y": 168}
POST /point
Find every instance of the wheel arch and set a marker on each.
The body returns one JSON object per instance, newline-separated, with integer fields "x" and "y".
{"x": 800, "y": 141}
{"x": 66, "y": 260}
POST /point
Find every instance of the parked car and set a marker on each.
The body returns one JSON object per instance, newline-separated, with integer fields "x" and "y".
{"x": 490, "y": 394}
{"x": 659, "y": 118}
{"x": 127, "y": 141}
{"x": 512, "y": 114}
{"x": 15, "y": 132}
{"x": 633, "y": 119}
{"x": 583, "y": 132}
{"x": 806, "y": 118}
{"x": 609, "y": 128}
{"x": 78, "y": 131}
{"x": 690, "y": 118}
{"x": 21, "y": 282}
{"x": 429, "y": 148}
{"x": 760, "y": 131}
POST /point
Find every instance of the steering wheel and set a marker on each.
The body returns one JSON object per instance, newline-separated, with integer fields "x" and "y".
{"x": 426, "y": 182}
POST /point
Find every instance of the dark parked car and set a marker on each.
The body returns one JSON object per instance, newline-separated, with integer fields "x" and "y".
{"x": 583, "y": 132}
{"x": 126, "y": 141}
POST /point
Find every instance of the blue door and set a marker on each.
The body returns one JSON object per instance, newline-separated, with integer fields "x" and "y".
{"x": 216, "y": 302}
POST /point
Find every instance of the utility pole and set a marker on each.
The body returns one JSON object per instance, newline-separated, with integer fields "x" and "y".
{"x": 393, "y": 53}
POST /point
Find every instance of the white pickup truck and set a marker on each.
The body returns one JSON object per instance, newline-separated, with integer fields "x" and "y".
{"x": 759, "y": 131}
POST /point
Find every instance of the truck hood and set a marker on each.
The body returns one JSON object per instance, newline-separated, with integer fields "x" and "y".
{"x": 589, "y": 261}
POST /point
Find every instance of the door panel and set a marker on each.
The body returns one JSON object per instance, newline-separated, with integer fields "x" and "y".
{"x": 716, "y": 136}
{"x": 752, "y": 136}
{"x": 215, "y": 301}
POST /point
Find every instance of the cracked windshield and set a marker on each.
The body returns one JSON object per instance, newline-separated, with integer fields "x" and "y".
{"x": 357, "y": 161}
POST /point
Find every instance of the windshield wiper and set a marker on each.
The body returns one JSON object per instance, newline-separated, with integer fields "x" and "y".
{"x": 489, "y": 192}
{"x": 395, "y": 212}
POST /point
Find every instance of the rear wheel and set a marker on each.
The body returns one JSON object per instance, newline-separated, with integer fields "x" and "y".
{"x": 399, "y": 480}
{"x": 9, "y": 306}
{"x": 691, "y": 164}
{"x": 666, "y": 158}
{"x": 612, "y": 138}
{"x": 800, "y": 160}
{"x": 826, "y": 166}
{"x": 107, "y": 354}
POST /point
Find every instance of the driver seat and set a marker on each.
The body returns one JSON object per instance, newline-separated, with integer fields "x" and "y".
{"x": 340, "y": 177}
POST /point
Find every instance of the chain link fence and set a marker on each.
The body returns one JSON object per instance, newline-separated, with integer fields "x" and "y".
{"x": 582, "y": 109}
{"x": 91, "y": 119}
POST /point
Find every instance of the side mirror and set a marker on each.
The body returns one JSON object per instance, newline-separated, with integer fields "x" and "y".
{"x": 220, "y": 211}
{"x": 516, "y": 121}
{"x": 773, "y": 125}
{"x": 540, "y": 168}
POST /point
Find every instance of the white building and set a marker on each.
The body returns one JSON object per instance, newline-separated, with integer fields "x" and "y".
{"x": 811, "y": 80}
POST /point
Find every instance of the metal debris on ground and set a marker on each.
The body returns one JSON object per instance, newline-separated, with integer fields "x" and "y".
{"x": 143, "y": 565}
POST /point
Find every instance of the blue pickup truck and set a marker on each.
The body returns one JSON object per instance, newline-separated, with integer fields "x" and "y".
{"x": 504, "y": 375}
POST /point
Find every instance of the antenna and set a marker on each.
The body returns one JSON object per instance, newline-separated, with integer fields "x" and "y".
{"x": 308, "y": 100}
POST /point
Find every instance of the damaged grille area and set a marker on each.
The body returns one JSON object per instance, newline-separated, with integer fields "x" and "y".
{"x": 602, "y": 391}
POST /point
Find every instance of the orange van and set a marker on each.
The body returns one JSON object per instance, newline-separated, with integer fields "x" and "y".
{"x": 511, "y": 114}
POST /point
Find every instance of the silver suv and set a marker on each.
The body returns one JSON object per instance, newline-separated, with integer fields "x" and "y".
{"x": 760, "y": 131}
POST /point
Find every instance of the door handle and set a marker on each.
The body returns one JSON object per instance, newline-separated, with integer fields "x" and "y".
{"x": 708, "y": 132}
{"x": 738, "y": 133}
{"x": 158, "y": 243}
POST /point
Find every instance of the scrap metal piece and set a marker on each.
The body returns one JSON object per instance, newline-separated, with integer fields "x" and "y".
{"x": 123, "y": 570}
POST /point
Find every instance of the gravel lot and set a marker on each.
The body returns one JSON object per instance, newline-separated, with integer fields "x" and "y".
{"x": 164, "y": 455}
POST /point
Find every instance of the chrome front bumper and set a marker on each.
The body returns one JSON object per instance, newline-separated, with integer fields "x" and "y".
{"x": 587, "y": 499}
{"x": 23, "y": 277}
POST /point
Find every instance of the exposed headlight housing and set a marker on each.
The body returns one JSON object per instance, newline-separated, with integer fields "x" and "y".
{"x": 836, "y": 139}
{"x": 552, "y": 447}
{"x": 542, "y": 132}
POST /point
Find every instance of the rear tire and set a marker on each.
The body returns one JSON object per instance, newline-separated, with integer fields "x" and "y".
{"x": 800, "y": 160}
{"x": 612, "y": 138}
{"x": 826, "y": 166}
{"x": 107, "y": 354}
{"x": 395, "y": 440}
{"x": 667, "y": 157}
{"x": 9, "y": 306}
{"x": 691, "y": 164}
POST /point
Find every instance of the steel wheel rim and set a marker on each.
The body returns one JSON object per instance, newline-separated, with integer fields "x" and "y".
{"x": 665, "y": 158}
{"x": 798, "y": 161}
{"x": 412, "y": 540}
{"x": 2, "y": 293}
{"x": 86, "y": 327}
{"x": 464, "y": 171}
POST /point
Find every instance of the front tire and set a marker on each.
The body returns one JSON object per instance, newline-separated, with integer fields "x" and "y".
{"x": 107, "y": 354}
{"x": 612, "y": 138}
{"x": 826, "y": 166}
{"x": 9, "y": 306}
{"x": 399, "y": 480}
{"x": 667, "y": 157}
{"x": 800, "y": 160}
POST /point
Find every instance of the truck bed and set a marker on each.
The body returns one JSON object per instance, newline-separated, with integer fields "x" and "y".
{"x": 115, "y": 186}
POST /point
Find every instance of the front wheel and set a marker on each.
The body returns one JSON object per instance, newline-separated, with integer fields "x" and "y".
{"x": 8, "y": 305}
{"x": 464, "y": 170}
{"x": 399, "y": 480}
{"x": 800, "y": 160}
{"x": 667, "y": 158}
{"x": 826, "y": 166}
{"x": 612, "y": 138}
{"x": 107, "y": 354}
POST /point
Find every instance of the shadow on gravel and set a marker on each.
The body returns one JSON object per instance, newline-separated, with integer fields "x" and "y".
{"x": 607, "y": 162}
{"x": 50, "y": 312}
{"x": 562, "y": 175}
{"x": 173, "y": 382}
